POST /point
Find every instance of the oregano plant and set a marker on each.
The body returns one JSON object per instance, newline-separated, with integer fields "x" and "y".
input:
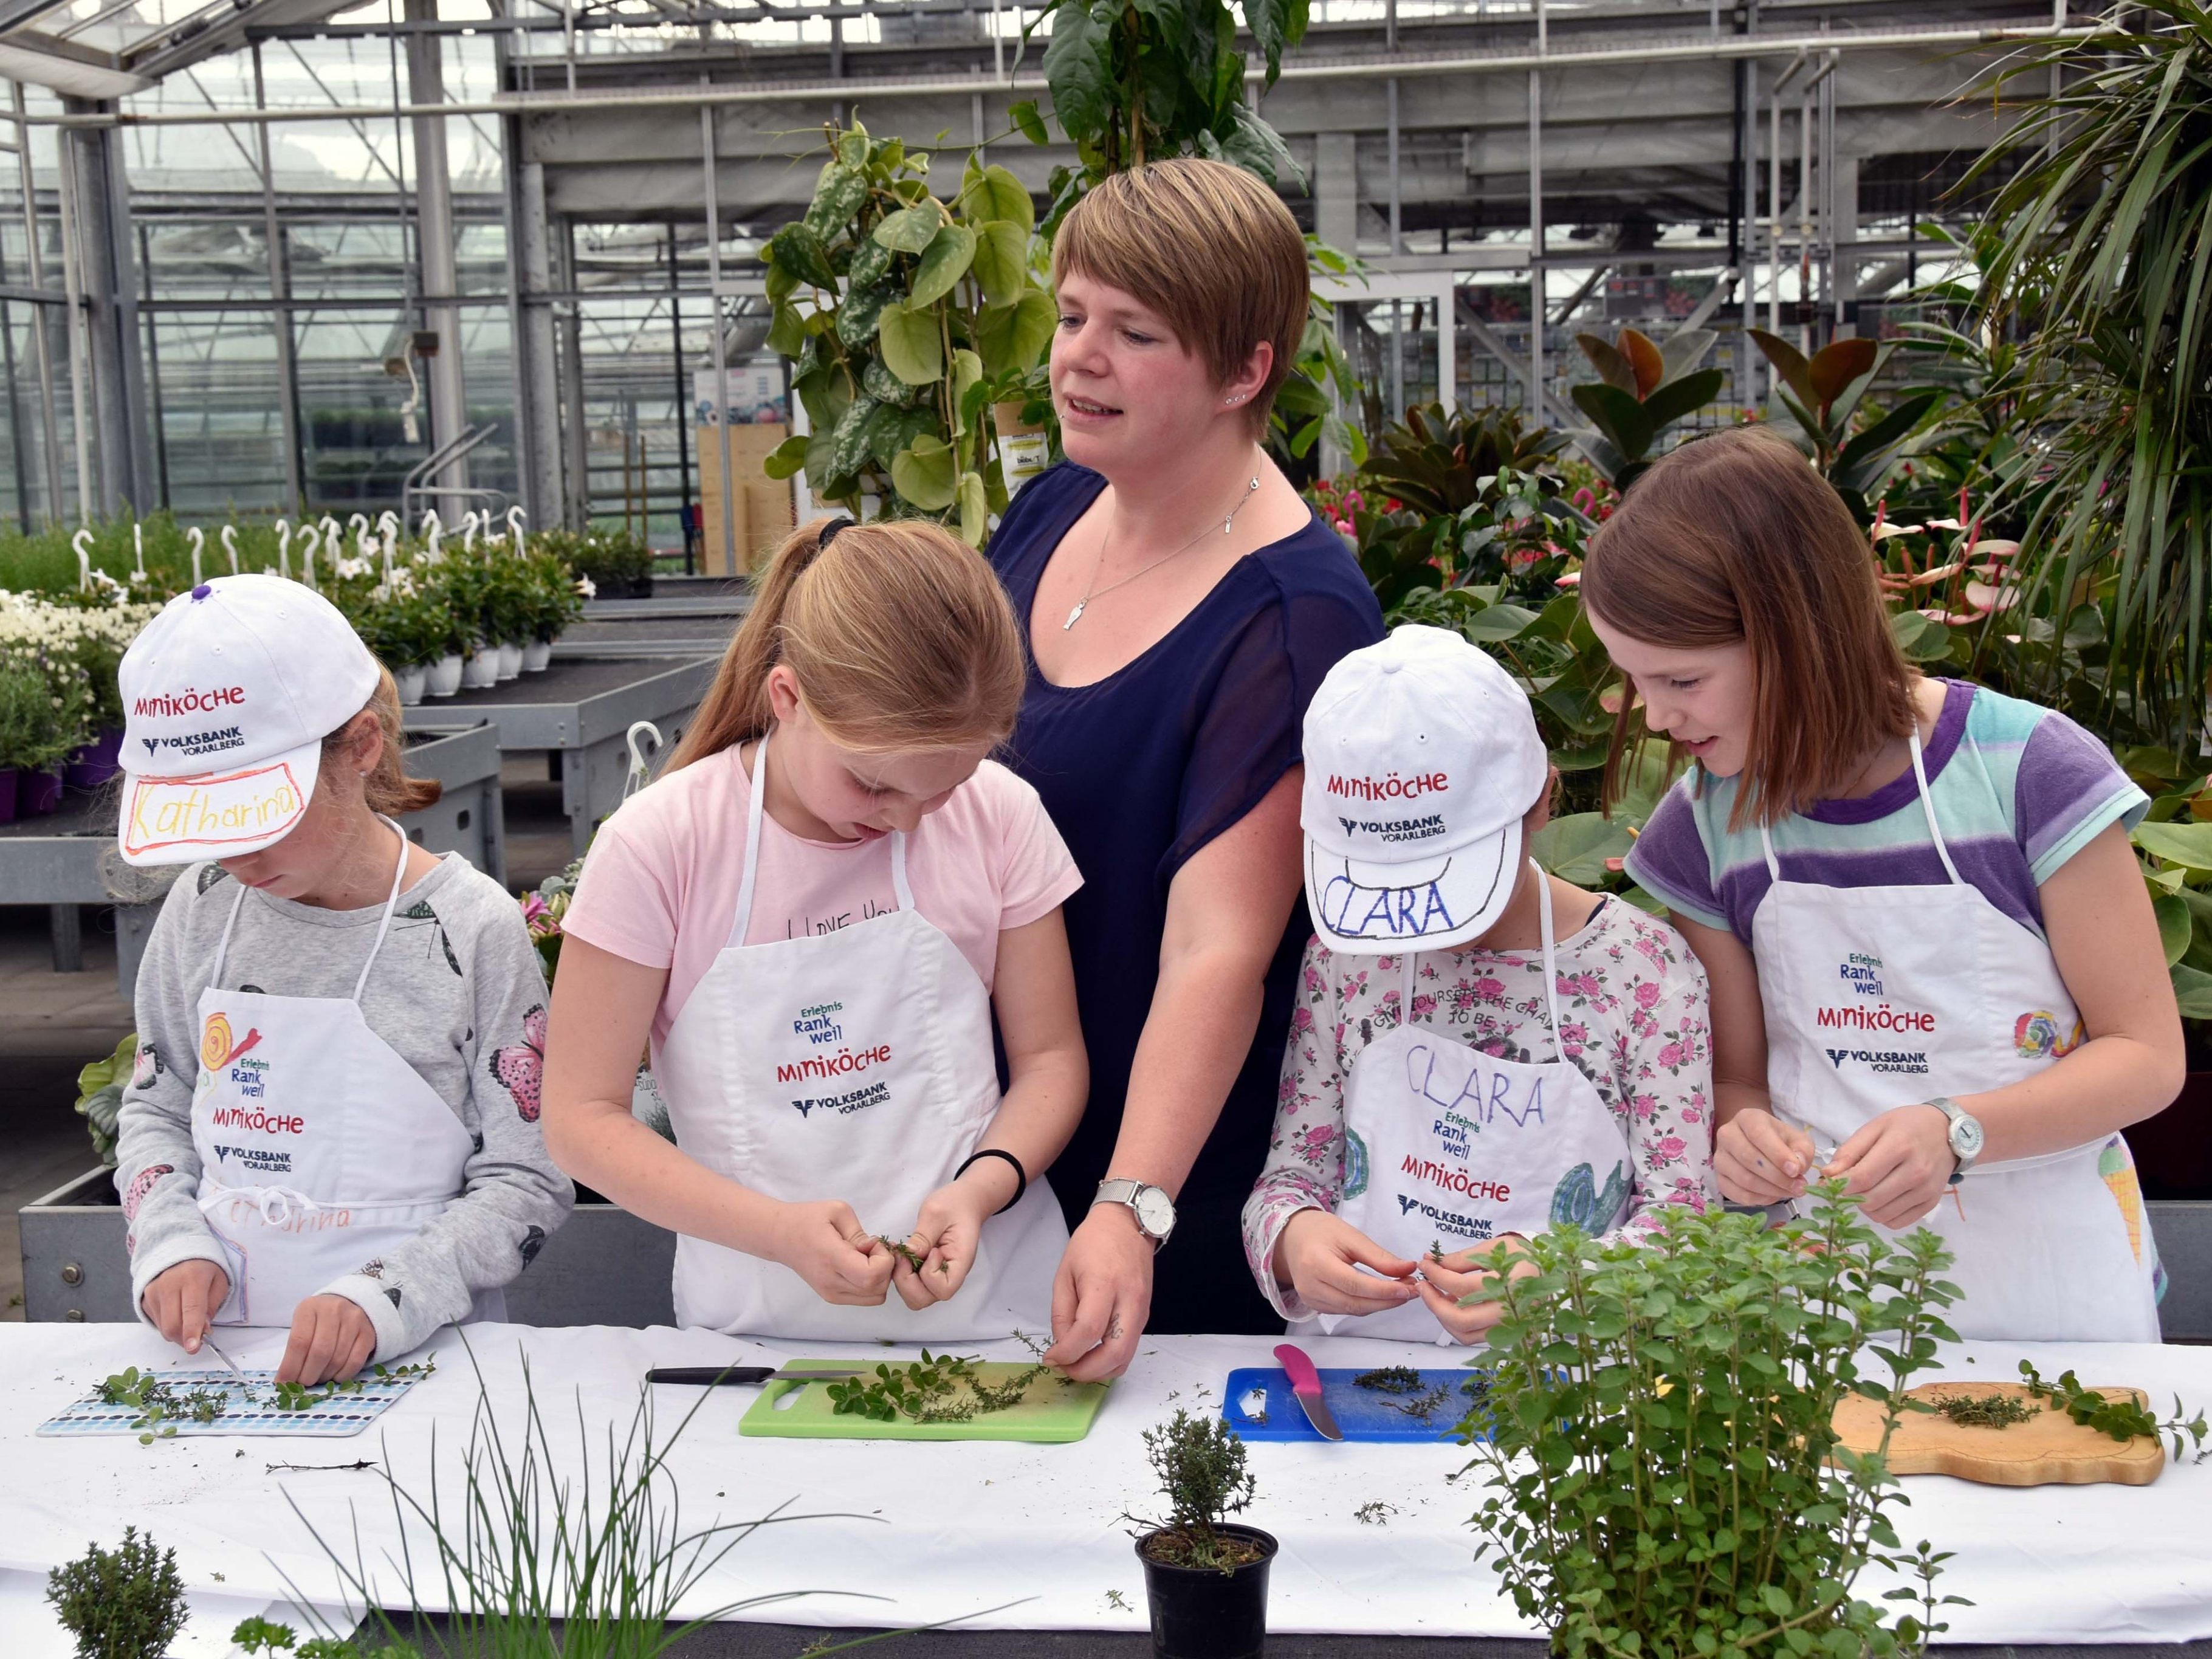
{"x": 1658, "y": 1436}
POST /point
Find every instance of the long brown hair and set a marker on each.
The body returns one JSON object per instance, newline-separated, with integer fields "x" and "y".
{"x": 897, "y": 632}
{"x": 387, "y": 789}
{"x": 1735, "y": 539}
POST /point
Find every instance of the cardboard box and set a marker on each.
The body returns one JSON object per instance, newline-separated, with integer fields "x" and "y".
{"x": 762, "y": 509}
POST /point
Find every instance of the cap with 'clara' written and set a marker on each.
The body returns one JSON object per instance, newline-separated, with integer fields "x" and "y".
{"x": 1422, "y": 757}
{"x": 227, "y": 695}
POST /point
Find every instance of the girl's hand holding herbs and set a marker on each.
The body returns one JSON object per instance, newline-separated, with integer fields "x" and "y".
{"x": 1320, "y": 1257}
{"x": 824, "y": 1244}
{"x": 1444, "y": 1280}
{"x": 332, "y": 1339}
{"x": 949, "y": 1231}
{"x": 1902, "y": 1161}
{"x": 1759, "y": 1159}
{"x": 182, "y": 1300}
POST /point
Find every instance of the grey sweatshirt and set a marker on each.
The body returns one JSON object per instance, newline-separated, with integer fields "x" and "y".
{"x": 456, "y": 983}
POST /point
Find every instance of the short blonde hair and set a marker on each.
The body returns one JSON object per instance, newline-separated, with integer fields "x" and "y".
{"x": 1209, "y": 247}
{"x": 898, "y": 633}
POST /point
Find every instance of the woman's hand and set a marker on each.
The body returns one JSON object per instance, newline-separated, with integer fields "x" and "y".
{"x": 949, "y": 1232}
{"x": 1319, "y": 1256}
{"x": 332, "y": 1339}
{"x": 1760, "y": 1159}
{"x": 1902, "y": 1162}
{"x": 824, "y": 1244}
{"x": 1463, "y": 1273}
{"x": 1101, "y": 1297}
{"x": 183, "y": 1300}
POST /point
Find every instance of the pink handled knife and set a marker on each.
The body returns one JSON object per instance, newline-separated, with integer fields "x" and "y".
{"x": 1305, "y": 1384}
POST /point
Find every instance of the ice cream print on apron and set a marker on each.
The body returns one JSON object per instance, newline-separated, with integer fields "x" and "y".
{"x": 1881, "y": 997}
{"x": 855, "y": 1065}
{"x": 319, "y": 1147}
{"x": 1446, "y": 1145}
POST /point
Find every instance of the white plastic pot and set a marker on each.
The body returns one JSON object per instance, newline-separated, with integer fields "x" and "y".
{"x": 510, "y": 660}
{"x": 537, "y": 656}
{"x": 445, "y": 676}
{"x": 411, "y": 682}
{"x": 482, "y": 671}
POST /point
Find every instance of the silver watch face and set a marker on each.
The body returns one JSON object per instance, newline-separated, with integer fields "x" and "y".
{"x": 1155, "y": 1211}
{"x": 1967, "y": 1136}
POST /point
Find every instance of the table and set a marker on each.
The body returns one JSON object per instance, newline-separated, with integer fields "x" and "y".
{"x": 581, "y": 710}
{"x": 675, "y": 625}
{"x": 953, "y": 1530}
{"x": 66, "y": 858}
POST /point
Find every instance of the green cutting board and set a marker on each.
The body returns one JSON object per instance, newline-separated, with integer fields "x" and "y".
{"x": 1054, "y": 1412}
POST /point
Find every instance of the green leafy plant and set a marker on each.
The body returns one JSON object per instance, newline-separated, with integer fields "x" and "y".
{"x": 907, "y": 318}
{"x": 1658, "y": 1434}
{"x": 41, "y": 720}
{"x": 617, "y": 563}
{"x": 1823, "y": 395}
{"x": 158, "y": 1402}
{"x": 936, "y": 1388}
{"x": 1986, "y": 1411}
{"x": 2173, "y": 843}
{"x": 1644, "y": 389}
{"x": 261, "y": 1636}
{"x": 123, "y": 1603}
{"x": 99, "y": 1086}
{"x": 2123, "y": 1418}
{"x": 1199, "y": 1461}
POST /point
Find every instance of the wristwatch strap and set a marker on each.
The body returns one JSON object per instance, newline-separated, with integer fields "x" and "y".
{"x": 1123, "y": 1191}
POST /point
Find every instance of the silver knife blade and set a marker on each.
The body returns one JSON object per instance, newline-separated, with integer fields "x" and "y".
{"x": 209, "y": 1344}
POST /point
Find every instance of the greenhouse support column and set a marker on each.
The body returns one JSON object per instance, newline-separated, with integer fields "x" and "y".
{"x": 1336, "y": 190}
{"x": 434, "y": 230}
{"x": 108, "y": 267}
{"x": 536, "y": 352}
{"x": 1746, "y": 354}
{"x": 36, "y": 262}
{"x": 577, "y": 471}
{"x": 1842, "y": 237}
{"x": 1537, "y": 301}
{"x": 721, "y": 350}
{"x": 280, "y": 309}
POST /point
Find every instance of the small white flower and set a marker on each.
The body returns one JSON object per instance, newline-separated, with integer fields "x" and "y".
{"x": 587, "y": 587}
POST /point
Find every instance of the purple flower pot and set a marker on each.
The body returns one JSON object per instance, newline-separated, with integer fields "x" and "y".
{"x": 96, "y": 762}
{"x": 37, "y": 792}
{"x": 8, "y": 776}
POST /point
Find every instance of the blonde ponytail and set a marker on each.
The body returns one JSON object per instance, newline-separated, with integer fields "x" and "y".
{"x": 899, "y": 634}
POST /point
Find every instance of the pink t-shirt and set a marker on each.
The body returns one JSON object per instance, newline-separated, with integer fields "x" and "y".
{"x": 660, "y": 886}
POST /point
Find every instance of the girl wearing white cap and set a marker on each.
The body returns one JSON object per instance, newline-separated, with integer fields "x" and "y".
{"x": 1554, "y": 1065}
{"x": 333, "y": 1121}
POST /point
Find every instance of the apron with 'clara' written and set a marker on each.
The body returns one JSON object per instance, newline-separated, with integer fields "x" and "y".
{"x": 1882, "y": 997}
{"x": 321, "y": 1149}
{"x": 1446, "y": 1146}
{"x": 852, "y": 1065}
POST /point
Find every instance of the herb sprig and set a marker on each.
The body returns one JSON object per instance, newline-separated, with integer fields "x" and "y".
{"x": 2123, "y": 1418}
{"x": 935, "y": 1388}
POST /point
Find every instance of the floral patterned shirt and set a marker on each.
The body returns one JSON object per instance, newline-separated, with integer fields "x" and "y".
{"x": 1633, "y": 1020}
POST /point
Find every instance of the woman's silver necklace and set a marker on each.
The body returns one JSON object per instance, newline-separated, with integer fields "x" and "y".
{"x": 1094, "y": 591}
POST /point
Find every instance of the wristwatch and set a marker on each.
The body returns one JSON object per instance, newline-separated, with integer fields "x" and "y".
{"x": 1153, "y": 1208}
{"x": 1966, "y": 1136}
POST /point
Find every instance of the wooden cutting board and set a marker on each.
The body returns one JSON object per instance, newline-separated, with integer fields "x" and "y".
{"x": 2049, "y": 1449}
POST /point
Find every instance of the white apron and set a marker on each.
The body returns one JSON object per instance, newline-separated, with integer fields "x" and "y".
{"x": 1446, "y": 1144}
{"x": 321, "y": 1148}
{"x": 1881, "y": 997}
{"x": 855, "y": 1065}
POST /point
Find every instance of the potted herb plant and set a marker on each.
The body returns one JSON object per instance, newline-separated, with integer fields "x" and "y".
{"x": 33, "y": 736}
{"x": 1206, "y": 1579}
{"x": 1658, "y": 1435}
{"x": 124, "y": 1603}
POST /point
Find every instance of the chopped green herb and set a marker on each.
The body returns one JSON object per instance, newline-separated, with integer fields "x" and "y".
{"x": 1389, "y": 1379}
{"x": 1986, "y": 1410}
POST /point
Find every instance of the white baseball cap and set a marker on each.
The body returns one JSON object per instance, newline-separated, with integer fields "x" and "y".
{"x": 227, "y": 695}
{"x": 1422, "y": 758}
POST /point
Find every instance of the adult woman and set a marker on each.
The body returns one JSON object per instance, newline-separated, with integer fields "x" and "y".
{"x": 1181, "y": 603}
{"x": 1928, "y": 944}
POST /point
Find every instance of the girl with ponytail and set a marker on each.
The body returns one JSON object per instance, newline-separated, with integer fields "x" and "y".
{"x": 810, "y": 921}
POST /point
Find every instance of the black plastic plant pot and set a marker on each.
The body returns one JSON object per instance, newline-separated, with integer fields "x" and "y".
{"x": 1202, "y": 1612}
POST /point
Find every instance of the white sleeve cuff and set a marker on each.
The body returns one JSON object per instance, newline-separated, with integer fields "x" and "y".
{"x": 149, "y": 1264}
{"x": 367, "y": 1294}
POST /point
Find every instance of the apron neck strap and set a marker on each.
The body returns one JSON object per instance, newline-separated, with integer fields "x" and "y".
{"x": 1927, "y": 807}
{"x": 383, "y": 925}
{"x": 1407, "y": 972}
{"x": 756, "y": 811}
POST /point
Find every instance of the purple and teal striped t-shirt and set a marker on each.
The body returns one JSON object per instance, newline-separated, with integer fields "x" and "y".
{"x": 2019, "y": 789}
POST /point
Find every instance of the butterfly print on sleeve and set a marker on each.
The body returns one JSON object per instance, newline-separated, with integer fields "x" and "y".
{"x": 520, "y": 1068}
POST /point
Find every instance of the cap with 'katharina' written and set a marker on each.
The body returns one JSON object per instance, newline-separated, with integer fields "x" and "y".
{"x": 1422, "y": 757}
{"x": 227, "y": 695}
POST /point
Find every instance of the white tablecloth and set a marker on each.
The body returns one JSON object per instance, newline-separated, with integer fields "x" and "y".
{"x": 928, "y": 1531}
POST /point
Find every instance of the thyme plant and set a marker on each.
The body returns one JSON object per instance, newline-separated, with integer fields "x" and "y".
{"x": 1657, "y": 1432}
{"x": 1200, "y": 1463}
{"x": 123, "y": 1603}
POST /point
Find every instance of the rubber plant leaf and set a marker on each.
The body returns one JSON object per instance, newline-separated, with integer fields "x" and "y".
{"x": 1861, "y": 461}
{"x": 1644, "y": 360}
{"x": 1789, "y": 363}
{"x": 1685, "y": 348}
{"x": 910, "y": 344}
{"x": 1612, "y": 367}
{"x": 1618, "y": 415}
{"x": 1836, "y": 365}
{"x": 926, "y": 475}
{"x": 1685, "y": 397}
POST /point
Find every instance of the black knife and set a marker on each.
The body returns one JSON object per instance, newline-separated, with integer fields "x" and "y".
{"x": 746, "y": 1376}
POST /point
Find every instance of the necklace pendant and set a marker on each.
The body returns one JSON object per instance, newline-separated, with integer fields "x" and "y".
{"x": 1074, "y": 615}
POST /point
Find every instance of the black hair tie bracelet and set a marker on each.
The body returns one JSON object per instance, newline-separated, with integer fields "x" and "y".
{"x": 1021, "y": 1175}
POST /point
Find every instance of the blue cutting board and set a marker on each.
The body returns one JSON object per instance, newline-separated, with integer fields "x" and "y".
{"x": 1362, "y": 1413}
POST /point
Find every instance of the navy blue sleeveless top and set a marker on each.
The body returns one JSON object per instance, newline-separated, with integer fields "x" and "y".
{"x": 1140, "y": 771}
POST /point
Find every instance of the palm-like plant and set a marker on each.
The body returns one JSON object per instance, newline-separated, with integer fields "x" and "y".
{"x": 2105, "y": 253}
